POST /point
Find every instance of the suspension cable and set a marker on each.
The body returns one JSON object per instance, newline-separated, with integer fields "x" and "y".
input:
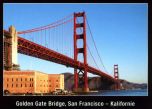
{"x": 39, "y": 28}
{"x": 95, "y": 45}
{"x": 92, "y": 57}
{"x": 49, "y": 27}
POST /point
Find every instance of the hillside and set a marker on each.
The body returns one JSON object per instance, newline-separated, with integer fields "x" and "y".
{"x": 130, "y": 85}
{"x": 95, "y": 83}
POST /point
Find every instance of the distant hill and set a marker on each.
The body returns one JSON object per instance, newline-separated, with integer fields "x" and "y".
{"x": 68, "y": 81}
{"x": 95, "y": 83}
{"x": 130, "y": 85}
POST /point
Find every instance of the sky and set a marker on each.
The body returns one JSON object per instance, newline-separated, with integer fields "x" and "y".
{"x": 119, "y": 30}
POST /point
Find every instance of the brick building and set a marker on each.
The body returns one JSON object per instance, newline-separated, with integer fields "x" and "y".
{"x": 31, "y": 82}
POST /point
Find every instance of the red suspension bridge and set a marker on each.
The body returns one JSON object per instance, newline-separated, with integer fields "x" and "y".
{"x": 65, "y": 42}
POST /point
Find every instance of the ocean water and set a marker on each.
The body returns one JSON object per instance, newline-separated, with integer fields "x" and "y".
{"x": 142, "y": 92}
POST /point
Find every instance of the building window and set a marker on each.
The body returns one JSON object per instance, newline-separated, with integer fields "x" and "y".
{"x": 12, "y": 79}
{"x": 50, "y": 86}
{"x": 25, "y": 85}
{"x": 56, "y": 80}
{"x": 25, "y": 79}
{"x": 56, "y": 85}
{"x": 16, "y": 85}
{"x": 21, "y": 85}
{"x": 12, "y": 85}
{"x": 16, "y": 79}
{"x": 7, "y": 85}
{"x": 21, "y": 79}
{"x": 30, "y": 85}
{"x": 32, "y": 79}
{"x": 49, "y": 80}
{"x": 7, "y": 79}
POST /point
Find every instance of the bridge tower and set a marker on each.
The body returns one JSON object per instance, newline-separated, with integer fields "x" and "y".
{"x": 116, "y": 76}
{"x": 80, "y": 77}
{"x": 10, "y": 50}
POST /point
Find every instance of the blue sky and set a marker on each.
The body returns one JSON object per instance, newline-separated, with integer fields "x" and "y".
{"x": 120, "y": 32}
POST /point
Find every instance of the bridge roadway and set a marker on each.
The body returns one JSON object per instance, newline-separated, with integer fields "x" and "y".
{"x": 35, "y": 50}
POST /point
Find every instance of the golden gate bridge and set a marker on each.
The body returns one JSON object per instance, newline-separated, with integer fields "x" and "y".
{"x": 64, "y": 42}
